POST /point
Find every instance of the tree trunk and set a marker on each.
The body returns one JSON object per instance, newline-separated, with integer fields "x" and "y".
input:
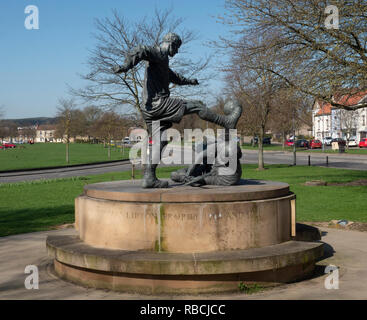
{"x": 261, "y": 151}
{"x": 294, "y": 149}
{"x": 283, "y": 141}
{"x": 67, "y": 151}
{"x": 109, "y": 149}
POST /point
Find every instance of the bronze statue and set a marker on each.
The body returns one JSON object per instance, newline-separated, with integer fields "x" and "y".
{"x": 220, "y": 172}
{"x": 157, "y": 103}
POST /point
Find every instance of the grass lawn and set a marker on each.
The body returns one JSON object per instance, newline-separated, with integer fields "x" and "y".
{"x": 42, "y": 155}
{"x": 349, "y": 151}
{"x": 37, "y": 205}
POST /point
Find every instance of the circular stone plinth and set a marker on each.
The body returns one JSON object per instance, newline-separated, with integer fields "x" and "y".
{"x": 131, "y": 191}
{"x": 184, "y": 219}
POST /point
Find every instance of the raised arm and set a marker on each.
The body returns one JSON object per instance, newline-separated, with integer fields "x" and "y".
{"x": 176, "y": 78}
{"x": 134, "y": 57}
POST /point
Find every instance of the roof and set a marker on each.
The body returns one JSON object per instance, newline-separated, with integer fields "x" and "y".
{"x": 325, "y": 108}
{"x": 46, "y": 127}
{"x": 350, "y": 99}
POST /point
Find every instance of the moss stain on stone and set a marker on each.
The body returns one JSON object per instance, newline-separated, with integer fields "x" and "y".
{"x": 159, "y": 220}
{"x": 162, "y": 220}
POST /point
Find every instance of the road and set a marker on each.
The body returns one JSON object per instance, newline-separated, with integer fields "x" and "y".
{"x": 353, "y": 162}
{"x": 341, "y": 161}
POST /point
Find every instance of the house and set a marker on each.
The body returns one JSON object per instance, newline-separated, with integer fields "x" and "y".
{"x": 329, "y": 121}
{"x": 46, "y": 133}
{"x": 25, "y": 134}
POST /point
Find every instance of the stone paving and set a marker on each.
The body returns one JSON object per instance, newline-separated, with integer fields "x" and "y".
{"x": 346, "y": 249}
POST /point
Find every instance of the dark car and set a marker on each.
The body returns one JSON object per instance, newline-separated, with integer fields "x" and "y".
{"x": 302, "y": 143}
{"x": 340, "y": 141}
{"x": 266, "y": 140}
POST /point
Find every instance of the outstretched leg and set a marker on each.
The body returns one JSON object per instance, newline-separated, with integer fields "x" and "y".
{"x": 228, "y": 121}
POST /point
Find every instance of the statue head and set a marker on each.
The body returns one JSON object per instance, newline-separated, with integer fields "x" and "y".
{"x": 171, "y": 42}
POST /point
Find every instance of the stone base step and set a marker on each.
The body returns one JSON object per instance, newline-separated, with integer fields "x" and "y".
{"x": 152, "y": 272}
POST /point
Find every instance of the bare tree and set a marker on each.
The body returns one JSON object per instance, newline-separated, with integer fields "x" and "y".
{"x": 318, "y": 60}
{"x": 281, "y": 117}
{"x": 65, "y": 111}
{"x": 2, "y": 124}
{"x": 248, "y": 77}
{"x": 116, "y": 37}
{"x": 30, "y": 133}
{"x": 348, "y": 123}
{"x": 92, "y": 114}
{"x": 109, "y": 127}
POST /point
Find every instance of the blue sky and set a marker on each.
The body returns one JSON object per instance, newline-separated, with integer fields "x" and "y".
{"x": 36, "y": 65}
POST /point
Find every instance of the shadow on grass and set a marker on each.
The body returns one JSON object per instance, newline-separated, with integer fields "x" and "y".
{"x": 13, "y": 221}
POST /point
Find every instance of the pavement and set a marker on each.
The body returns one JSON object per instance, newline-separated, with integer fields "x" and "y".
{"x": 345, "y": 249}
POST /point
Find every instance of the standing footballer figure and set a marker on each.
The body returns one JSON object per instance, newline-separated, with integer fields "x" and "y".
{"x": 157, "y": 103}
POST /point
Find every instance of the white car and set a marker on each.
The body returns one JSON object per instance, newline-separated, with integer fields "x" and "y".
{"x": 327, "y": 141}
{"x": 352, "y": 143}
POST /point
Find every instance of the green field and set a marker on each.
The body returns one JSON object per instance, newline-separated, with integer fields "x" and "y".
{"x": 349, "y": 151}
{"x": 38, "y": 205}
{"x": 42, "y": 155}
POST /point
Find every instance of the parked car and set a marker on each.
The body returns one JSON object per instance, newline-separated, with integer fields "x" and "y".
{"x": 340, "y": 141}
{"x": 352, "y": 143}
{"x": 9, "y": 145}
{"x": 289, "y": 143}
{"x": 363, "y": 143}
{"x": 327, "y": 141}
{"x": 315, "y": 144}
{"x": 126, "y": 140}
{"x": 266, "y": 140}
{"x": 302, "y": 143}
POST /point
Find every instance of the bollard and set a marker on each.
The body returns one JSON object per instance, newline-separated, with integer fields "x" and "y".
{"x": 327, "y": 161}
{"x": 132, "y": 172}
{"x": 309, "y": 160}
